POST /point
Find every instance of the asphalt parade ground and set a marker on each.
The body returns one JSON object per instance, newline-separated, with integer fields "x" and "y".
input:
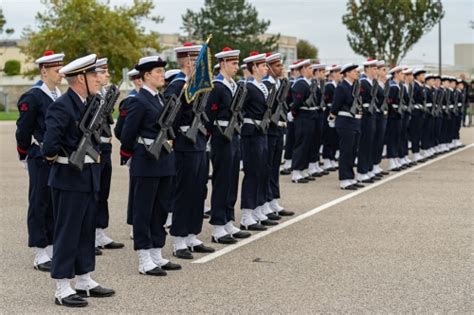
{"x": 401, "y": 245}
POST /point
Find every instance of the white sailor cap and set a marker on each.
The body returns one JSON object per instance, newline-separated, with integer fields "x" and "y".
{"x": 273, "y": 57}
{"x": 429, "y": 76}
{"x": 334, "y": 68}
{"x": 318, "y": 66}
{"x": 243, "y": 66}
{"x": 133, "y": 74}
{"x": 381, "y": 63}
{"x": 388, "y": 76}
{"x": 188, "y": 49}
{"x": 228, "y": 53}
{"x": 395, "y": 69}
{"x": 370, "y": 62}
{"x": 302, "y": 62}
{"x": 255, "y": 57}
{"x": 171, "y": 73}
{"x": 407, "y": 70}
{"x": 348, "y": 67}
{"x": 79, "y": 66}
{"x": 418, "y": 71}
{"x": 150, "y": 62}
{"x": 293, "y": 65}
{"x": 217, "y": 66}
{"x": 445, "y": 78}
{"x": 50, "y": 59}
{"x": 101, "y": 62}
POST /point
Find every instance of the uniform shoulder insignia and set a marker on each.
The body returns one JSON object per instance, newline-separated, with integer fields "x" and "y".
{"x": 23, "y": 107}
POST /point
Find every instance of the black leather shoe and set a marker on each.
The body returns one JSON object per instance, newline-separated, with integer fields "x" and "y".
{"x": 404, "y": 167}
{"x": 384, "y": 173}
{"x": 286, "y": 213}
{"x": 325, "y": 172}
{"x": 156, "y": 272}
{"x": 317, "y": 174}
{"x": 357, "y": 185}
{"x": 376, "y": 178}
{"x": 226, "y": 239}
{"x": 98, "y": 252}
{"x": 300, "y": 181}
{"x": 207, "y": 215}
{"x": 269, "y": 222}
{"x": 396, "y": 169}
{"x": 310, "y": 178}
{"x": 253, "y": 227}
{"x": 113, "y": 245}
{"x": 241, "y": 234}
{"x": 285, "y": 171}
{"x": 367, "y": 181}
{"x": 273, "y": 216}
{"x": 171, "y": 266}
{"x": 74, "y": 300}
{"x": 46, "y": 266}
{"x": 350, "y": 187}
{"x": 98, "y": 292}
{"x": 201, "y": 248}
{"x": 379, "y": 175}
{"x": 183, "y": 254}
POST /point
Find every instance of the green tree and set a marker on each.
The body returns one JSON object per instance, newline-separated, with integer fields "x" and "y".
{"x": 387, "y": 29}
{"x": 80, "y": 27}
{"x": 306, "y": 50}
{"x": 3, "y": 21}
{"x": 232, "y": 23}
{"x": 12, "y": 67}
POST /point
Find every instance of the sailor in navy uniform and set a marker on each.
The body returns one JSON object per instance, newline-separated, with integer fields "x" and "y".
{"x": 169, "y": 77}
{"x": 290, "y": 126}
{"x": 32, "y": 107}
{"x": 101, "y": 239}
{"x": 364, "y": 154}
{"x": 347, "y": 124}
{"x": 330, "y": 138}
{"x": 191, "y": 165}
{"x": 225, "y": 154}
{"x": 417, "y": 114}
{"x": 74, "y": 192}
{"x": 459, "y": 105}
{"x": 304, "y": 112}
{"x": 272, "y": 209}
{"x": 438, "y": 121}
{"x": 403, "y": 159}
{"x": 137, "y": 82}
{"x": 394, "y": 120}
{"x": 319, "y": 74}
{"x": 428, "y": 121}
{"x": 380, "y": 120}
{"x": 254, "y": 147}
{"x": 153, "y": 179}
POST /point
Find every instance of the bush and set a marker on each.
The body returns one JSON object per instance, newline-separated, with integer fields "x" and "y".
{"x": 12, "y": 67}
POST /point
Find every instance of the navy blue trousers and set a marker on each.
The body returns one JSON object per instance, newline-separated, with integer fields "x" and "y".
{"x": 74, "y": 233}
{"x": 366, "y": 144}
{"x": 131, "y": 189}
{"x": 40, "y": 209}
{"x": 191, "y": 179}
{"x": 304, "y": 141}
{"x": 105, "y": 179}
{"x": 317, "y": 137}
{"x": 403, "y": 140}
{"x": 290, "y": 140}
{"x": 415, "y": 128}
{"x": 275, "y": 150}
{"x": 225, "y": 158}
{"x": 151, "y": 197}
{"x": 330, "y": 139}
{"x": 445, "y": 129}
{"x": 437, "y": 129}
{"x": 254, "y": 183}
{"x": 393, "y": 133}
{"x": 426, "y": 132}
{"x": 348, "y": 143}
{"x": 379, "y": 136}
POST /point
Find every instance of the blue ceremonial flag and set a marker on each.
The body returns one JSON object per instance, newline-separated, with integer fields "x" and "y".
{"x": 201, "y": 81}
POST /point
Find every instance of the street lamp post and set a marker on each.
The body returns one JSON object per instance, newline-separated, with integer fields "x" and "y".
{"x": 440, "y": 8}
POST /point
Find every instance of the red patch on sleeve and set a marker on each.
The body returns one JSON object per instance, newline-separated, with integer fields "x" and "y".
{"x": 298, "y": 95}
{"x": 123, "y": 113}
{"x": 23, "y": 107}
{"x": 361, "y": 89}
{"x": 125, "y": 153}
{"x": 214, "y": 107}
{"x": 389, "y": 100}
{"x": 21, "y": 151}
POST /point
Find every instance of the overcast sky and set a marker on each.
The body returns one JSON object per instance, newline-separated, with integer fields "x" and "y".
{"x": 318, "y": 21}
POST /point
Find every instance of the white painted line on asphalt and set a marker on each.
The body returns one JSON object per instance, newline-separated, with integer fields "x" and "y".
{"x": 310, "y": 213}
